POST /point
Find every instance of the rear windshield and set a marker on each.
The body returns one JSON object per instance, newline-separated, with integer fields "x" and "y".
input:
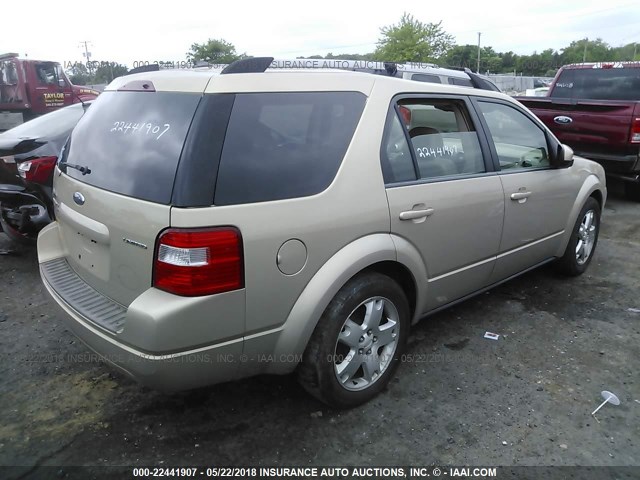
{"x": 131, "y": 142}
{"x": 598, "y": 84}
{"x": 285, "y": 145}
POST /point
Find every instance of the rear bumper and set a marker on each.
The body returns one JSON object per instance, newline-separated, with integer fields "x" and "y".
{"x": 168, "y": 372}
{"x": 160, "y": 340}
{"x": 624, "y": 165}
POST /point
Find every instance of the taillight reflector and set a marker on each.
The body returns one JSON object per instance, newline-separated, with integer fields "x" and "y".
{"x": 37, "y": 170}
{"x": 194, "y": 262}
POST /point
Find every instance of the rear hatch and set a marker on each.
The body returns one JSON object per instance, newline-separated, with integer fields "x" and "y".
{"x": 592, "y": 108}
{"x": 114, "y": 188}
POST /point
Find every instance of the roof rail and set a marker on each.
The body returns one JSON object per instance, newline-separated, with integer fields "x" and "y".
{"x": 248, "y": 65}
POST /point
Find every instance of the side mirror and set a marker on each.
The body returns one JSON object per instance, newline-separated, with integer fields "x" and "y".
{"x": 564, "y": 156}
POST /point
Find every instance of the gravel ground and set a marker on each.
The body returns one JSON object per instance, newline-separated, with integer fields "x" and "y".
{"x": 458, "y": 399}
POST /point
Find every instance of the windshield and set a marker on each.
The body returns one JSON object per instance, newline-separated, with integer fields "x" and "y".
{"x": 50, "y": 125}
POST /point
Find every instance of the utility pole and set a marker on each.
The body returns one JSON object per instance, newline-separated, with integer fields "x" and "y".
{"x": 86, "y": 54}
{"x": 478, "y": 66}
{"x": 584, "y": 55}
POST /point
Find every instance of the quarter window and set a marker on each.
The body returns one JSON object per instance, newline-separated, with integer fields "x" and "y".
{"x": 519, "y": 142}
{"x": 285, "y": 145}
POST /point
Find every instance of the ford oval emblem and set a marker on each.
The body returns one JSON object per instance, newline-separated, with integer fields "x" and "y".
{"x": 563, "y": 120}
{"x": 78, "y": 198}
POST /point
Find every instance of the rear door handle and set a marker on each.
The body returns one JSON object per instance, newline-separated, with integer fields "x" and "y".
{"x": 520, "y": 195}
{"x": 416, "y": 214}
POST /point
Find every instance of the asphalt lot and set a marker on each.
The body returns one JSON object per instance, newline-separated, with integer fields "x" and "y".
{"x": 459, "y": 398}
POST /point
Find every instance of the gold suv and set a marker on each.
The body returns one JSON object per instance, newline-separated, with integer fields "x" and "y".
{"x": 212, "y": 227}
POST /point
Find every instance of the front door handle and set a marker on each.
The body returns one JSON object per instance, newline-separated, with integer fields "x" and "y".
{"x": 520, "y": 196}
{"x": 416, "y": 214}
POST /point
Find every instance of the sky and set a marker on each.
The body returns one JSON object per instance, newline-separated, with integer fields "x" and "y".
{"x": 128, "y": 32}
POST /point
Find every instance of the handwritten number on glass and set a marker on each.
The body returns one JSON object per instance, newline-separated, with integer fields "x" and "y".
{"x": 144, "y": 128}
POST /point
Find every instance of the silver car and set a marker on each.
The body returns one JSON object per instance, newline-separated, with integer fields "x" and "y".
{"x": 212, "y": 227}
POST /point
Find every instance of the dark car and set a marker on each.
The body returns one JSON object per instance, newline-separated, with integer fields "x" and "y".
{"x": 28, "y": 155}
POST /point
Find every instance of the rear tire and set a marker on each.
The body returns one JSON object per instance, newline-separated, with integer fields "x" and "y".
{"x": 583, "y": 241}
{"x": 355, "y": 348}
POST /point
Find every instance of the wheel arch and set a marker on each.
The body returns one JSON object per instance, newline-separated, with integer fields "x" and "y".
{"x": 376, "y": 252}
{"x": 592, "y": 188}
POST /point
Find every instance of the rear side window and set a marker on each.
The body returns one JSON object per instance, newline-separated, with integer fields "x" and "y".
{"x": 464, "y": 82}
{"x": 285, "y": 145}
{"x": 598, "y": 84}
{"x": 131, "y": 142}
{"x": 424, "y": 77}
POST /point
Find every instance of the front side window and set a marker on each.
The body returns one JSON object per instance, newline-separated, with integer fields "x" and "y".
{"x": 60, "y": 78}
{"x": 442, "y": 138}
{"x": 519, "y": 142}
{"x": 46, "y": 73}
{"x": 285, "y": 145}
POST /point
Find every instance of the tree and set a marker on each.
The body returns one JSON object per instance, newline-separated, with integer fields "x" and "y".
{"x": 595, "y": 51}
{"x": 78, "y": 74}
{"x": 106, "y": 72}
{"x": 410, "y": 40}
{"x": 214, "y": 51}
{"x": 461, "y": 56}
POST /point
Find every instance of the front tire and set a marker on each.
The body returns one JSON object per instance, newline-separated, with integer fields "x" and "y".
{"x": 583, "y": 241}
{"x": 355, "y": 348}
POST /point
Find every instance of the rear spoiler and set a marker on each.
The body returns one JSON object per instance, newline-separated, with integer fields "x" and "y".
{"x": 154, "y": 67}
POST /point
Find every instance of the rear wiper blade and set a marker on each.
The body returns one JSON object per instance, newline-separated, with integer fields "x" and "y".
{"x": 80, "y": 168}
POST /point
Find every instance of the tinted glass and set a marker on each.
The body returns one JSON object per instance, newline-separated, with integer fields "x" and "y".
{"x": 423, "y": 77}
{"x": 519, "y": 142}
{"x": 598, "y": 84}
{"x": 465, "y": 82}
{"x": 397, "y": 164}
{"x": 132, "y": 141}
{"x": 443, "y": 139}
{"x": 285, "y": 145}
{"x": 50, "y": 125}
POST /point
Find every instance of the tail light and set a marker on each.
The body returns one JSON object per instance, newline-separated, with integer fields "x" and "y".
{"x": 199, "y": 262}
{"x": 635, "y": 130}
{"x": 38, "y": 170}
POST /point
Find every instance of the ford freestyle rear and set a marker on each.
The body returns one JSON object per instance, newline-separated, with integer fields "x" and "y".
{"x": 213, "y": 227}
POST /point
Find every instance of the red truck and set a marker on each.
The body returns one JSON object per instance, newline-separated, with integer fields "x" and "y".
{"x": 29, "y": 88}
{"x": 595, "y": 109}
